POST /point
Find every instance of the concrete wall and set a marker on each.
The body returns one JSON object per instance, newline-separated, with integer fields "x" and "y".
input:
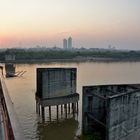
{"x": 116, "y": 106}
{"x": 93, "y": 107}
{"x": 59, "y": 100}
{"x": 55, "y": 82}
{"x": 124, "y": 116}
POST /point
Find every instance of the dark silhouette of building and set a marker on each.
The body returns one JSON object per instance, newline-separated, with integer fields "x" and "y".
{"x": 69, "y": 43}
{"x": 65, "y": 43}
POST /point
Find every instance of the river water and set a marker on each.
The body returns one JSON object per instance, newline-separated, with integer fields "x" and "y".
{"x": 22, "y": 91}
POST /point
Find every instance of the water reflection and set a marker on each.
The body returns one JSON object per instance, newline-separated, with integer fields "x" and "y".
{"x": 57, "y": 130}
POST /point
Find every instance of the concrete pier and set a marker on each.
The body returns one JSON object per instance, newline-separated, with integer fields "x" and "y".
{"x": 57, "y": 111}
{"x": 61, "y": 109}
{"x": 57, "y": 87}
{"x": 113, "y": 111}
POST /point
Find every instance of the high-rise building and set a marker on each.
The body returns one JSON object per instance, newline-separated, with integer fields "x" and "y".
{"x": 69, "y": 43}
{"x": 65, "y": 43}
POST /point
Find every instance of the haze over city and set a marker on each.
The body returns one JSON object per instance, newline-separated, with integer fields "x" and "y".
{"x": 91, "y": 23}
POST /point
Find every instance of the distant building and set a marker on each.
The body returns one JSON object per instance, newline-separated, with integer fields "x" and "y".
{"x": 65, "y": 43}
{"x": 9, "y": 57}
{"x": 69, "y": 43}
{"x": 113, "y": 111}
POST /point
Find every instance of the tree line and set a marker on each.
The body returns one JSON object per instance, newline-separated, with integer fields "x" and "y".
{"x": 27, "y": 54}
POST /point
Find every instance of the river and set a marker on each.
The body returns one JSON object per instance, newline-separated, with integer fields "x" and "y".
{"x": 22, "y": 91}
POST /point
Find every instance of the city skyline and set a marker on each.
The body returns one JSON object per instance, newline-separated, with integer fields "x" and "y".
{"x": 92, "y": 23}
{"x": 67, "y": 43}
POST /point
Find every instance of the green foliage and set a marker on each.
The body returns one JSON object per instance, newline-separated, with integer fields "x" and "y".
{"x": 46, "y": 54}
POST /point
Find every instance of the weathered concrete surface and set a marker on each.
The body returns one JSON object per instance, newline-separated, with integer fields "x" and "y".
{"x": 55, "y": 82}
{"x": 113, "y": 108}
{"x": 56, "y": 86}
{"x": 59, "y": 100}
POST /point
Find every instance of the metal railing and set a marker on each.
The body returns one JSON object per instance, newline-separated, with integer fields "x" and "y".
{"x": 10, "y": 128}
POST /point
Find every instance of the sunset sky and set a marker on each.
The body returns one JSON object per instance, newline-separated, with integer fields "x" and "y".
{"x": 91, "y": 23}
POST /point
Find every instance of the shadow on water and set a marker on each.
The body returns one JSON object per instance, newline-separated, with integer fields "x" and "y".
{"x": 58, "y": 130}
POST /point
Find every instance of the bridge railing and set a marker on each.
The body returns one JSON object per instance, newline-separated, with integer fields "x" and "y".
{"x": 12, "y": 128}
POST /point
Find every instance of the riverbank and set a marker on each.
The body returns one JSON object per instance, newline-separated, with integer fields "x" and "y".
{"x": 61, "y": 55}
{"x": 77, "y": 60}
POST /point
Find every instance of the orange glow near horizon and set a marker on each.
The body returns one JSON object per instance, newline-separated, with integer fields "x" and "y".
{"x": 88, "y": 21}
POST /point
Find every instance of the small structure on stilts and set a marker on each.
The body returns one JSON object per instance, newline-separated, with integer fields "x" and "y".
{"x": 56, "y": 87}
{"x": 10, "y": 70}
{"x": 10, "y": 67}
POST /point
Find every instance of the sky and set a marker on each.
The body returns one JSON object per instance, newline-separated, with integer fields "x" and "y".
{"x": 90, "y": 23}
